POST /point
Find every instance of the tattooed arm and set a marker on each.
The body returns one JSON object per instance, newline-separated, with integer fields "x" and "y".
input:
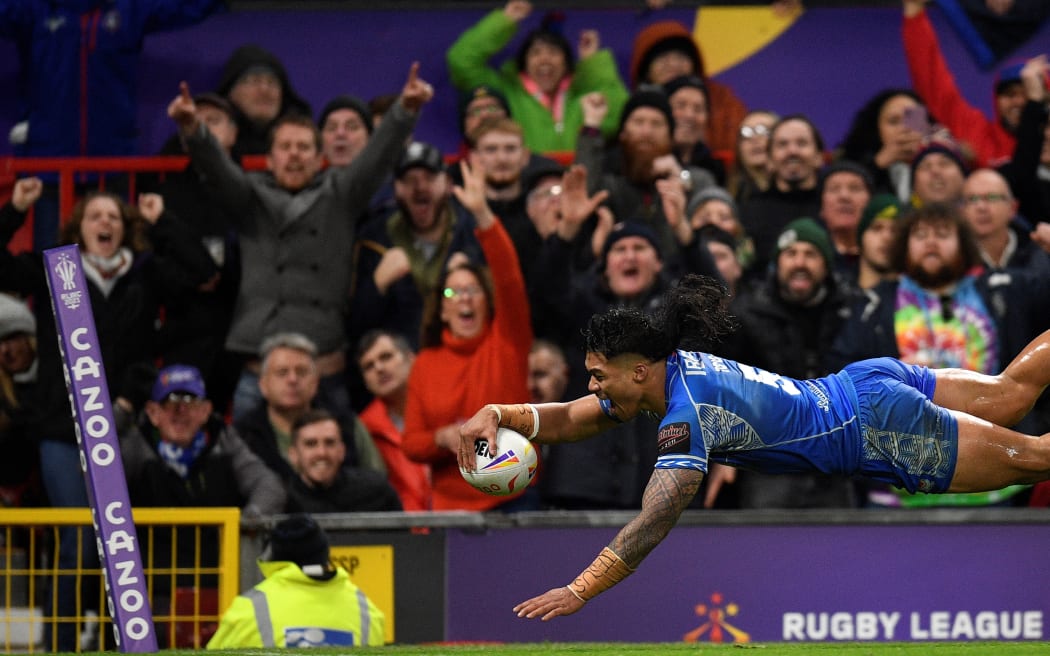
{"x": 668, "y": 493}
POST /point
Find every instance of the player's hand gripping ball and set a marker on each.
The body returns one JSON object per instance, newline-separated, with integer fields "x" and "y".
{"x": 509, "y": 471}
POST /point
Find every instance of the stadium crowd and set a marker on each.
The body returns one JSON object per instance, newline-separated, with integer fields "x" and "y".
{"x": 311, "y": 336}
{"x": 373, "y": 285}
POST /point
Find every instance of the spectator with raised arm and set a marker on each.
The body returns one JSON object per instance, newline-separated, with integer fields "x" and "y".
{"x": 475, "y": 343}
{"x": 135, "y": 259}
{"x": 297, "y": 226}
{"x": 544, "y": 81}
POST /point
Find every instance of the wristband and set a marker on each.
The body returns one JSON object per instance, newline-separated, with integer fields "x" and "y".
{"x": 535, "y": 422}
{"x": 607, "y": 570}
{"x": 499, "y": 413}
{"x": 569, "y": 588}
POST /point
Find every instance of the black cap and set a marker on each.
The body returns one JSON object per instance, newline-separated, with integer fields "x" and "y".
{"x": 299, "y": 539}
{"x": 346, "y": 102}
{"x": 648, "y": 96}
{"x": 420, "y": 155}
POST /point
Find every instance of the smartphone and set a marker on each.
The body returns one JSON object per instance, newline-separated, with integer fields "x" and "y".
{"x": 915, "y": 118}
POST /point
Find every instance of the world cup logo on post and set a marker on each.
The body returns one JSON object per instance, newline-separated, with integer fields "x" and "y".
{"x": 66, "y": 270}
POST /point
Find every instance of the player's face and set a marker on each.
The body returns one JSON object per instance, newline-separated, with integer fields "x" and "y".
{"x": 178, "y": 418}
{"x": 987, "y": 203}
{"x": 294, "y": 158}
{"x": 343, "y": 136}
{"x": 631, "y": 267}
{"x": 689, "y": 108}
{"x": 843, "y": 200}
{"x": 289, "y": 379}
{"x": 614, "y": 380}
{"x": 102, "y": 229}
{"x": 503, "y": 157}
{"x": 464, "y": 307}
{"x": 801, "y": 270}
{"x": 385, "y": 368}
{"x": 317, "y": 452}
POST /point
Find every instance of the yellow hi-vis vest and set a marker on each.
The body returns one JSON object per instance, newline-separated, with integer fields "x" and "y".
{"x": 290, "y": 609}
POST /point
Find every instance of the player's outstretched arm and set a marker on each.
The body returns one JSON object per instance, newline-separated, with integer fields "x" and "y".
{"x": 668, "y": 493}
{"x": 547, "y": 423}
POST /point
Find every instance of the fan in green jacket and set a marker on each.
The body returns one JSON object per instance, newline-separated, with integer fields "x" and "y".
{"x": 543, "y": 83}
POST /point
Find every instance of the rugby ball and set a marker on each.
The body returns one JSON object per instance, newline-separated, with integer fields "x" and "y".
{"x": 507, "y": 472}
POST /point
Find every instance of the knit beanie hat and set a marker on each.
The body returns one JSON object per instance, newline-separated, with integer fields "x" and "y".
{"x": 683, "y": 81}
{"x": 15, "y": 317}
{"x": 881, "y": 206}
{"x": 648, "y": 96}
{"x": 629, "y": 229}
{"x": 808, "y": 230}
{"x": 300, "y": 540}
{"x": 480, "y": 91}
{"x": 943, "y": 148}
{"x": 711, "y": 193}
{"x": 346, "y": 102}
{"x": 845, "y": 166}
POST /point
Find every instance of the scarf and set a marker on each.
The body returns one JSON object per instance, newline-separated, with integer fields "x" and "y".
{"x": 180, "y": 459}
{"x": 106, "y": 271}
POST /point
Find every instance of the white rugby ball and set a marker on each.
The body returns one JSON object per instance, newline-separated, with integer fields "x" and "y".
{"x": 509, "y": 471}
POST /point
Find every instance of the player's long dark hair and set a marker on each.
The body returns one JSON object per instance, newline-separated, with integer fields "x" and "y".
{"x": 693, "y": 316}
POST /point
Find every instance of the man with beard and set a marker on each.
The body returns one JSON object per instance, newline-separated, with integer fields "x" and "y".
{"x": 646, "y": 184}
{"x": 796, "y": 154}
{"x": 400, "y": 259}
{"x": 946, "y": 309}
{"x": 785, "y": 325}
{"x": 500, "y": 152}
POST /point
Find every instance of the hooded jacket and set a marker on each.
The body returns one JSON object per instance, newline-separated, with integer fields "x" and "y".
{"x": 726, "y": 110}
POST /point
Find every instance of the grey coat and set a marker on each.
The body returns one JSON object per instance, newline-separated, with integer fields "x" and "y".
{"x": 297, "y": 248}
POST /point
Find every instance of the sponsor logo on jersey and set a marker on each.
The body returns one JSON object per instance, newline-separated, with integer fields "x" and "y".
{"x": 673, "y": 438}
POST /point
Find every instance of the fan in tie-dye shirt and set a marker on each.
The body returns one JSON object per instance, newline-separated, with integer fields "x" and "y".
{"x": 953, "y": 330}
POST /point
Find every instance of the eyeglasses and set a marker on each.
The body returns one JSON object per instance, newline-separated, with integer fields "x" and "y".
{"x": 466, "y": 292}
{"x": 973, "y": 199}
{"x": 752, "y": 131}
{"x": 543, "y": 193}
{"x": 175, "y": 399}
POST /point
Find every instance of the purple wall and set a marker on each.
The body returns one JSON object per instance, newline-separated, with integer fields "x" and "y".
{"x": 927, "y": 582}
{"x": 826, "y": 65}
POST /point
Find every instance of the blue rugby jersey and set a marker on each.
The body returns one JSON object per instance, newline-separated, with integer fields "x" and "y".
{"x": 739, "y": 415}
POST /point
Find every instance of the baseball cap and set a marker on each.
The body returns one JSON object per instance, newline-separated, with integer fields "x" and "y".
{"x": 420, "y": 155}
{"x": 178, "y": 378}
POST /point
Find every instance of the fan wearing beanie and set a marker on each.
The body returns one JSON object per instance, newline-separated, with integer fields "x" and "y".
{"x": 304, "y": 601}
